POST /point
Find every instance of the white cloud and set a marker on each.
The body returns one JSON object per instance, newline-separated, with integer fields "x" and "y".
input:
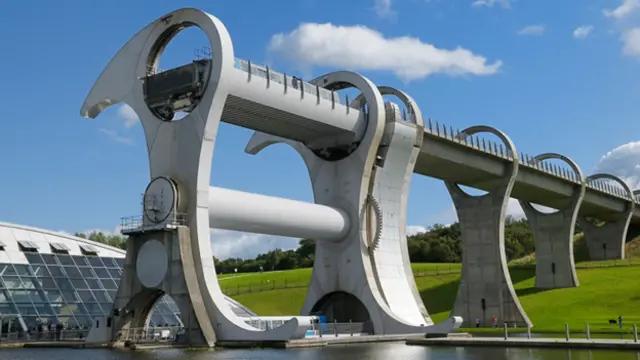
{"x": 128, "y": 116}
{"x": 631, "y": 40}
{"x": 532, "y": 30}
{"x": 582, "y": 32}
{"x": 627, "y": 7}
{"x": 490, "y": 3}
{"x": 624, "y": 162}
{"x": 384, "y": 10}
{"x": 115, "y": 136}
{"x": 234, "y": 244}
{"x": 360, "y": 48}
{"x": 415, "y": 229}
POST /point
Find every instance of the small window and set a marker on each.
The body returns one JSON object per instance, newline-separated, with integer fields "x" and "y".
{"x": 28, "y": 246}
{"x": 59, "y": 248}
{"x": 88, "y": 250}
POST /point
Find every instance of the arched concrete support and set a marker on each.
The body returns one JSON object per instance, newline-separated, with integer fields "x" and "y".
{"x": 553, "y": 234}
{"x": 136, "y": 296}
{"x": 606, "y": 242}
{"x": 485, "y": 288}
{"x": 371, "y": 185}
{"x": 633, "y": 230}
{"x": 182, "y": 152}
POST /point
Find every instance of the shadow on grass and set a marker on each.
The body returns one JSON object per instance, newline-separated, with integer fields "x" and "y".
{"x": 440, "y": 298}
{"x": 529, "y": 291}
{"x": 522, "y": 273}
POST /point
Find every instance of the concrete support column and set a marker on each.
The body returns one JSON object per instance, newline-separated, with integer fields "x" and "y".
{"x": 606, "y": 242}
{"x": 553, "y": 235}
{"x": 485, "y": 286}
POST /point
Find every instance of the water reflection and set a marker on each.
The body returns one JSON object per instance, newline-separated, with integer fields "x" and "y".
{"x": 359, "y": 352}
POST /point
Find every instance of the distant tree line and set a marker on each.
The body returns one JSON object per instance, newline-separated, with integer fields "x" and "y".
{"x": 439, "y": 244}
{"x": 443, "y": 243}
{"x": 112, "y": 240}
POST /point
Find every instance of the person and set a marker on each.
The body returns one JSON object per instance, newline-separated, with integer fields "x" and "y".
{"x": 494, "y": 321}
{"x": 620, "y": 321}
{"x": 477, "y": 322}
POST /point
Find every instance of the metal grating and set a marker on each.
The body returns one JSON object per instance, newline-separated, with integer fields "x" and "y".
{"x": 28, "y": 245}
{"x": 59, "y": 248}
{"x": 88, "y": 249}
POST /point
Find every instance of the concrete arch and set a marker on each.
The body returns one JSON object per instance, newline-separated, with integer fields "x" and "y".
{"x": 369, "y": 92}
{"x": 612, "y": 177}
{"x": 572, "y": 164}
{"x": 188, "y": 162}
{"x": 346, "y": 184}
{"x": 341, "y": 306}
{"x": 553, "y": 234}
{"x": 577, "y": 195}
{"x": 407, "y": 100}
{"x": 607, "y": 242}
{"x": 139, "y": 308}
{"x": 511, "y": 151}
{"x": 485, "y": 288}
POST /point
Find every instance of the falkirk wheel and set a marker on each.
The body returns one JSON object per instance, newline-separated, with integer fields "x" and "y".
{"x": 360, "y": 156}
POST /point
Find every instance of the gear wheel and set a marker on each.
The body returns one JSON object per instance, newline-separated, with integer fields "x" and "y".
{"x": 373, "y": 202}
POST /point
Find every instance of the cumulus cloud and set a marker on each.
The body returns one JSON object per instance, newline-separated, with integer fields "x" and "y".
{"x": 624, "y": 162}
{"x": 623, "y": 10}
{"x": 360, "y": 48}
{"x": 384, "y": 10}
{"x": 582, "y": 32}
{"x": 415, "y": 229}
{"x": 490, "y": 3}
{"x": 127, "y": 115}
{"x": 631, "y": 40}
{"x": 115, "y": 136}
{"x": 234, "y": 244}
{"x": 532, "y": 30}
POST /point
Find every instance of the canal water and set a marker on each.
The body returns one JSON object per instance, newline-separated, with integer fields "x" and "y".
{"x": 352, "y": 352}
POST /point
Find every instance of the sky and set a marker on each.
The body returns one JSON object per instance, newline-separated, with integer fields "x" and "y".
{"x": 556, "y": 76}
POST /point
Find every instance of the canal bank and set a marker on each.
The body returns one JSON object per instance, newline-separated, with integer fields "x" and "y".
{"x": 495, "y": 342}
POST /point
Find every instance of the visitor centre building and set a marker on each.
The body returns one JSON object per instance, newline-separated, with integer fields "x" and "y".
{"x": 50, "y": 278}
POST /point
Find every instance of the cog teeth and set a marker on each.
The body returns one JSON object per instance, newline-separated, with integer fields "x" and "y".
{"x": 373, "y": 202}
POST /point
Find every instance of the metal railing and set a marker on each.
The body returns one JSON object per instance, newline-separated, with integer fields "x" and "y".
{"x": 497, "y": 149}
{"x": 137, "y": 222}
{"x": 336, "y": 329}
{"x": 45, "y": 335}
{"x": 150, "y": 335}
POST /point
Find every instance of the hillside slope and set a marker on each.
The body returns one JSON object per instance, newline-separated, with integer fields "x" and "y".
{"x": 581, "y": 253}
{"x": 605, "y": 293}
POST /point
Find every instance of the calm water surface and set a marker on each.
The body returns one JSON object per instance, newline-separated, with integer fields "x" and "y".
{"x": 352, "y": 352}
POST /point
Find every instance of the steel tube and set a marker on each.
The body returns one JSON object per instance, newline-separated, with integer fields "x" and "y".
{"x": 255, "y": 213}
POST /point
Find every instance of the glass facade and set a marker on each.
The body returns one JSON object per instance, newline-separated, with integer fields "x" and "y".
{"x": 58, "y": 288}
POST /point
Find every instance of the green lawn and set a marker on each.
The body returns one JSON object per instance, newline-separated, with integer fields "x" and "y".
{"x": 605, "y": 293}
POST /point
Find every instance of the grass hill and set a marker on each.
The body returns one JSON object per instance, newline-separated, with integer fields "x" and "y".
{"x": 581, "y": 253}
{"x": 606, "y": 291}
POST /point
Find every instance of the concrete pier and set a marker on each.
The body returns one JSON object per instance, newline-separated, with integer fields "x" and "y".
{"x": 553, "y": 234}
{"x": 606, "y": 241}
{"x": 485, "y": 288}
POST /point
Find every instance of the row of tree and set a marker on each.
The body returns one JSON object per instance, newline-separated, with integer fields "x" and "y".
{"x": 439, "y": 244}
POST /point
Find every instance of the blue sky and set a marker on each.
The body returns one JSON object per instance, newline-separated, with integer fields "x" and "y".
{"x": 559, "y": 76}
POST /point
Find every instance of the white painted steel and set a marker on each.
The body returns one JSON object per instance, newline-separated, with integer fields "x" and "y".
{"x": 243, "y": 211}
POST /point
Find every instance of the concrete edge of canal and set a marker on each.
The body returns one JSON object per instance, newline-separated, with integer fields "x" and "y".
{"x": 600, "y": 344}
